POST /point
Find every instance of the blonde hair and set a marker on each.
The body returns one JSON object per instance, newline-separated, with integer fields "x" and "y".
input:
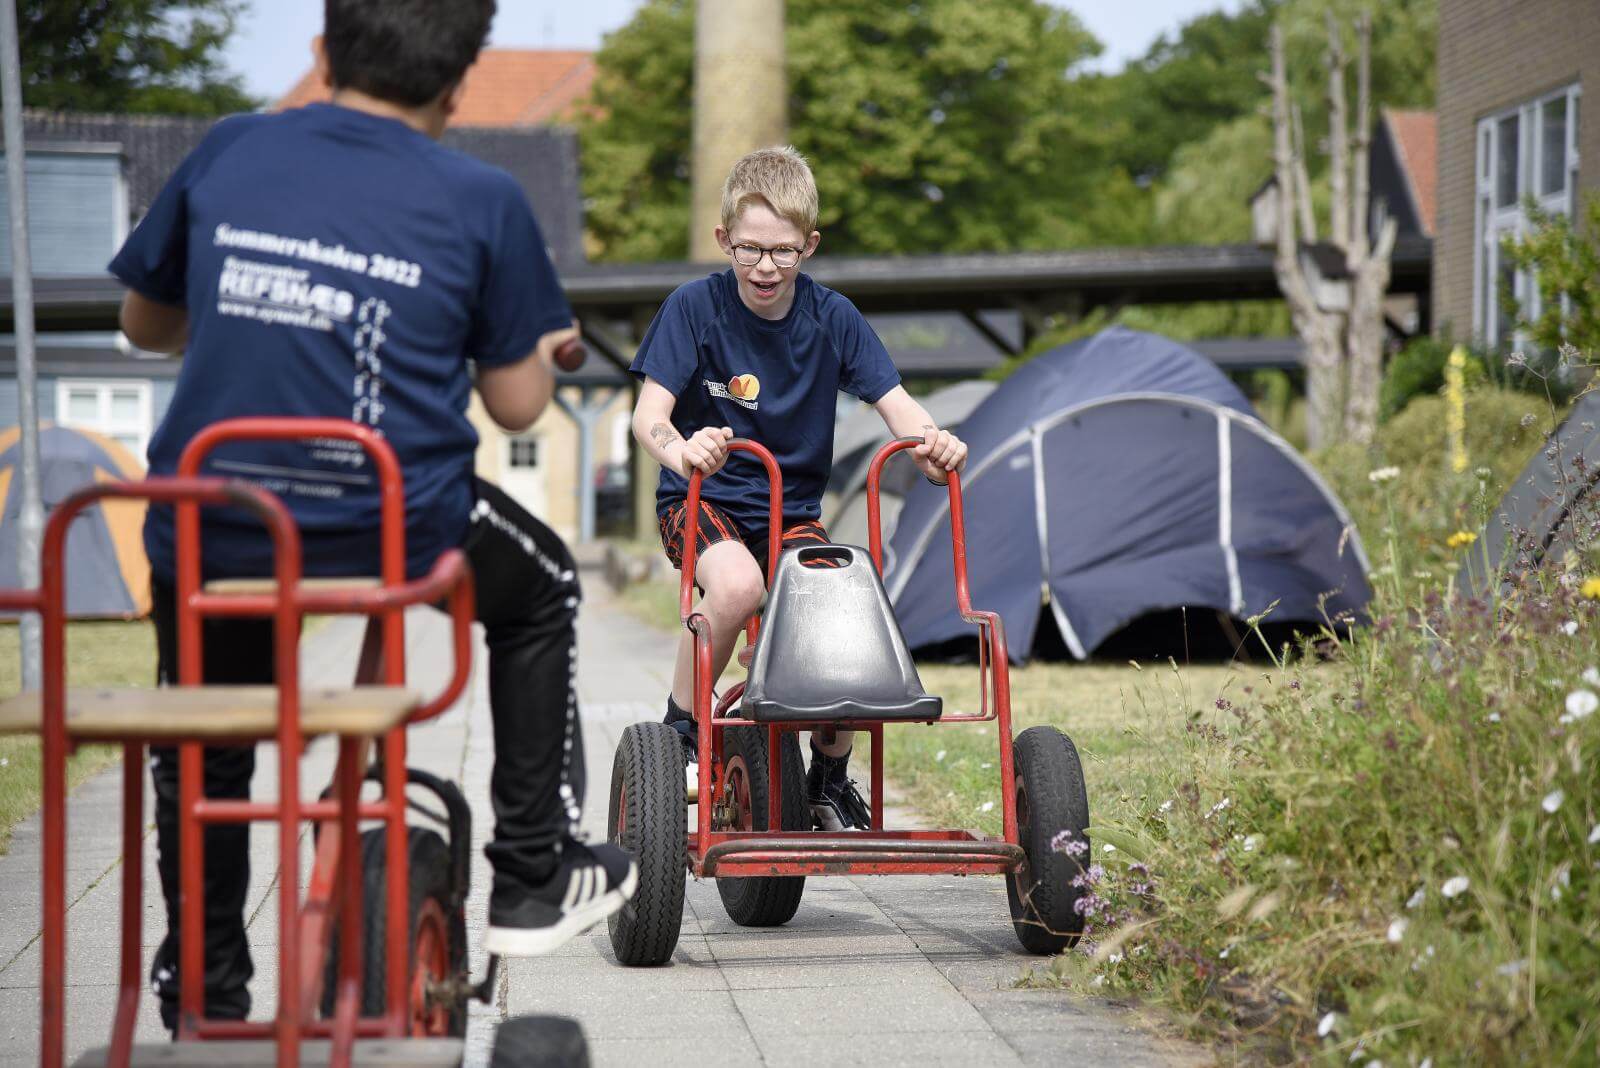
{"x": 778, "y": 177}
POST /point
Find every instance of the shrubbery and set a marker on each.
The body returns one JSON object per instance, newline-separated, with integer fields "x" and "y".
{"x": 1392, "y": 854}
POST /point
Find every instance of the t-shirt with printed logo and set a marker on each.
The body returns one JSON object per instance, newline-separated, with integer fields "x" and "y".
{"x": 336, "y": 263}
{"x": 774, "y": 381}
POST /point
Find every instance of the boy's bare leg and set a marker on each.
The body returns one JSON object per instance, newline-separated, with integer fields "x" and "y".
{"x": 733, "y": 586}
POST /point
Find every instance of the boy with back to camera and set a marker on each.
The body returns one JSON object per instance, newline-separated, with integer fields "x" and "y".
{"x": 334, "y": 260}
{"x": 761, "y": 351}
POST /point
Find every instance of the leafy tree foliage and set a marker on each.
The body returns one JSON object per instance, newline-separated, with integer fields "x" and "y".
{"x": 1565, "y": 260}
{"x": 938, "y": 125}
{"x": 129, "y": 56}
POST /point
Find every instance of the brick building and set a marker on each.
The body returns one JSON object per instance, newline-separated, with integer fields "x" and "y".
{"x": 1511, "y": 78}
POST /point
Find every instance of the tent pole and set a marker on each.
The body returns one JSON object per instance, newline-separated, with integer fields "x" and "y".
{"x": 31, "y": 518}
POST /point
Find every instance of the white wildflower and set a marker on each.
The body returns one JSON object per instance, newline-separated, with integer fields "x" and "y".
{"x": 1397, "y": 929}
{"x": 1483, "y": 472}
{"x": 1108, "y": 848}
{"x": 1115, "y": 958}
{"x": 1591, "y": 675}
{"x": 1427, "y": 1062}
{"x": 1166, "y": 806}
{"x": 1494, "y": 717}
{"x": 1417, "y": 898}
{"x": 1570, "y": 627}
{"x": 1098, "y": 980}
{"x": 1581, "y": 704}
{"x": 1384, "y": 474}
{"x": 1456, "y": 886}
{"x": 985, "y": 766}
{"x": 1512, "y": 967}
{"x": 1251, "y": 842}
{"x": 987, "y": 806}
{"x": 1594, "y": 834}
{"x": 1552, "y": 800}
{"x": 939, "y": 756}
{"x": 1224, "y": 954}
{"x": 1326, "y": 1025}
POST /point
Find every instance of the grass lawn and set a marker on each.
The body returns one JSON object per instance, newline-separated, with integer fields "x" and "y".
{"x": 1120, "y": 716}
{"x": 105, "y": 653}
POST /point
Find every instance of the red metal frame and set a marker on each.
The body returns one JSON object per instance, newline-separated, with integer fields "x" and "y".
{"x": 335, "y": 889}
{"x": 728, "y": 853}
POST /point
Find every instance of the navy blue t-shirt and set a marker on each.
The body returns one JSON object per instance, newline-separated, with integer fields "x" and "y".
{"x": 773, "y": 381}
{"x": 335, "y": 263}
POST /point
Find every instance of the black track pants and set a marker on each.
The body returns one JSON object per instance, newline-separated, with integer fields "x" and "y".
{"x": 527, "y": 600}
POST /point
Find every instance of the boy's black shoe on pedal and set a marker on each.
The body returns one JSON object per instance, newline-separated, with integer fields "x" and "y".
{"x": 836, "y": 804}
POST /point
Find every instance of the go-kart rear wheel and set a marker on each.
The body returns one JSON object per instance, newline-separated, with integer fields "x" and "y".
{"x": 438, "y": 935}
{"x": 649, "y": 818}
{"x": 539, "y": 1042}
{"x": 1050, "y": 799}
{"x": 761, "y": 901}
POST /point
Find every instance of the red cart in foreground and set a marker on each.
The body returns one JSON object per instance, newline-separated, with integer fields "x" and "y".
{"x": 827, "y": 653}
{"x": 353, "y": 988}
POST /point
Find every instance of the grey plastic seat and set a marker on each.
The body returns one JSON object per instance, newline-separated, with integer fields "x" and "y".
{"x": 830, "y": 647}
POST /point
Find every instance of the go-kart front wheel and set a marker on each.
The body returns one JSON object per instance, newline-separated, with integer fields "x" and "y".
{"x": 1050, "y": 799}
{"x": 761, "y": 900}
{"x": 649, "y": 818}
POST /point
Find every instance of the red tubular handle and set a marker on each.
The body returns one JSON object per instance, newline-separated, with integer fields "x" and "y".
{"x": 691, "y": 521}
{"x": 958, "y": 524}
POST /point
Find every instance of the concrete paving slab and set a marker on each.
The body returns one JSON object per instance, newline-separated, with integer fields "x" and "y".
{"x": 870, "y": 971}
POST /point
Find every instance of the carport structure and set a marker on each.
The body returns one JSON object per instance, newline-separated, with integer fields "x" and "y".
{"x": 990, "y": 291}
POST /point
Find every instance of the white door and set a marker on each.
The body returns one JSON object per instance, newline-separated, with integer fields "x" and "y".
{"x": 522, "y": 473}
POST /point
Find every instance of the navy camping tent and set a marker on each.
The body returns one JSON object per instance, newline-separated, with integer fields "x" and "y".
{"x": 1114, "y": 479}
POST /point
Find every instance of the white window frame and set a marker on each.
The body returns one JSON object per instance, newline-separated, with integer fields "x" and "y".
{"x": 1491, "y": 224}
{"x": 103, "y": 423}
{"x": 538, "y": 449}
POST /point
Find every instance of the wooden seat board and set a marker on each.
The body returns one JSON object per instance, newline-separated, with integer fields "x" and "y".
{"x": 266, "y": 585}
{"x": 314, "y": 1053}
{"x": 212, "y": 712}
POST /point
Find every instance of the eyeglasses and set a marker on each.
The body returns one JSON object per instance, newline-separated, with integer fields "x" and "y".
{"x": 783, "y": 257}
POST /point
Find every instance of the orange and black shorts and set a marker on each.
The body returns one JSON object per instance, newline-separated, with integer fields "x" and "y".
{"x": 716, "y": 525}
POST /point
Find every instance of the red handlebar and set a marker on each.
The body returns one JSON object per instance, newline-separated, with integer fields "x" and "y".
{"x": 958, "y": 526}
{"x": 691, "y": 521}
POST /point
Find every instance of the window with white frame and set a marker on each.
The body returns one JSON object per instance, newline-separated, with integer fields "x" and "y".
{"x": 122, "y": 411}
{"x": 1530, "y": 150}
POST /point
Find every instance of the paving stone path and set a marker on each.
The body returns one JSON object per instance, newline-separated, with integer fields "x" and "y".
{"x": 880, "y": 971}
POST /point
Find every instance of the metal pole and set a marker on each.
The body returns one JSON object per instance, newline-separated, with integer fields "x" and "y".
{"x": 31, "y": 518}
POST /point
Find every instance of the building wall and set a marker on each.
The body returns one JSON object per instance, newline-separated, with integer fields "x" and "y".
{"x": 557, "y": 435}
{"x": 1494, "y": 54}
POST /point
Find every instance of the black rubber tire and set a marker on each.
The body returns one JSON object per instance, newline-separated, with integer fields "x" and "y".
{"x": 762, "y": 900}
{"x": 647, "y": 776}
{"x": 428, "y": 859}
{"x": 539, "y": 1042}
{"x": 1051, "y": 798}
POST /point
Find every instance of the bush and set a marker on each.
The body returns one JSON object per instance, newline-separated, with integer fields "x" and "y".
{"x": 1390, "y": 854}
{"x": 1416, "y": 371}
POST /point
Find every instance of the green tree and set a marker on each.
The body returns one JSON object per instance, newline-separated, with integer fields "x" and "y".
{"x": 129, "y": 56}
{"x": 933, "y": 126}
{"x": 1187, "y": 84}
{"x": 1564, "y": 258}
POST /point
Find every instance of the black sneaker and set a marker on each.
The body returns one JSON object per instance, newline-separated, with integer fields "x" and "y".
{"x": 836, "y": 804}
{"x": 590, "y": 883}
{"x": 683, "y": 723}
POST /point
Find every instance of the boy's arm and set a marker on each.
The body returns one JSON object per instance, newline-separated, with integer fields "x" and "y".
{"x": 940, "y": 450}
{"x": 152, "y": 325}
{"x": 515, "y": 394}
{"x": 706, "y": 449}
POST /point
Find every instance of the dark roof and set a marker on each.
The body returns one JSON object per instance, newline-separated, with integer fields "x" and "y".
{"x": 986, "y": 281}
{"x": 543, "y": 159}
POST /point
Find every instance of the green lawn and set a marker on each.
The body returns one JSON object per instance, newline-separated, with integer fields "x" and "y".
{"x": 1119, "y": 715}
{"x": 110, "y": 654}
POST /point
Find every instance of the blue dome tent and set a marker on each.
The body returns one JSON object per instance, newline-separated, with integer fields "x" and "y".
{"x": 1123, "y": 478}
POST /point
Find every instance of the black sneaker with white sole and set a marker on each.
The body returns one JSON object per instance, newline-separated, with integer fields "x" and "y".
{"x": 590, "y": 883}
{"x": 836, "y": 804}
